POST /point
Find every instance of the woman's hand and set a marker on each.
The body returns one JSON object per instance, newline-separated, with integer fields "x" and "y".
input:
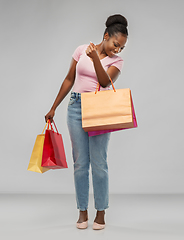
{"x": 91, "y": 51}
{"x": 50, "y": 115}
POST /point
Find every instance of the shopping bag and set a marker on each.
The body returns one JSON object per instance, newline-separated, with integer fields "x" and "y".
{"x": 53, "y": 156}
{"x": 107, "y": 110}
{"x": 36, "y": 156}
{"x": 98, "y": 132}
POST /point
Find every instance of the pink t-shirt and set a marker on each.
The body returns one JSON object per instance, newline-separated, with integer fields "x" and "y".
{"x": 86, "y": 79}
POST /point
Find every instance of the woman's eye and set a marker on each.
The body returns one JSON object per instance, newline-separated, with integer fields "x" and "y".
{"x": 115, "y": 45}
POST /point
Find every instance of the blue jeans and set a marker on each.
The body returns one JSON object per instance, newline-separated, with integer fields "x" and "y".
{"x": 88, "y": 150}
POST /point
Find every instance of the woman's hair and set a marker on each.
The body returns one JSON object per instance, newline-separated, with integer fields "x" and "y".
{"x": 116, "y": 24}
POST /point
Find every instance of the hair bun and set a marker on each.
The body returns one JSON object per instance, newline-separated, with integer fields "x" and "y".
{"x": 116, "y": 19}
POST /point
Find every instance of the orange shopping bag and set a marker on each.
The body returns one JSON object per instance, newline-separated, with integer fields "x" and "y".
{"x": 107, "y": 110}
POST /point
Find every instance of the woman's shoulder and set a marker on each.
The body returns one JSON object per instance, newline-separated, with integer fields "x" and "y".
{"x": 79, "y": 51}
{"x": 82, "y": 47}
{"x": 113, "y": 59}
{"x": 116, "y": 58}
{"x": 116, "y": 61}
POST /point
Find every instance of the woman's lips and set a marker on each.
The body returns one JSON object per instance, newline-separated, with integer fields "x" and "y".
{"x": 112, "y": 53}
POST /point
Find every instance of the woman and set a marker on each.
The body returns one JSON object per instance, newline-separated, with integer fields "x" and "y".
{"x": 91, "y": 64}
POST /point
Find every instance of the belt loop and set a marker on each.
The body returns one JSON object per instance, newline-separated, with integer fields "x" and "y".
{"x": 72, "y": 94}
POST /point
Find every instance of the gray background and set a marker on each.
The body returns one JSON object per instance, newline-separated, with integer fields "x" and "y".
{"x": 37, "y": 41}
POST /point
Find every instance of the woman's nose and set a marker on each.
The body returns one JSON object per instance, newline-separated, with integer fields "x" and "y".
{"x": 117, "y": 50}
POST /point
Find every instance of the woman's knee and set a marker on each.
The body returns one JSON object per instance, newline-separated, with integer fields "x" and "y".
{"x": 81, "y": 165}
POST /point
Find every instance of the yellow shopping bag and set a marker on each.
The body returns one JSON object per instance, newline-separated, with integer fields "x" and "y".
{"x": 36, "y": 156}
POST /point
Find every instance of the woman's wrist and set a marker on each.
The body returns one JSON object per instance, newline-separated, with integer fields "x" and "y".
{"x": 96, "y": 59}
{"x": 53, "y": 108}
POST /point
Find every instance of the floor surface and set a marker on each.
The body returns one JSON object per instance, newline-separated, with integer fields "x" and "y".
{"x": 129, "y": 217}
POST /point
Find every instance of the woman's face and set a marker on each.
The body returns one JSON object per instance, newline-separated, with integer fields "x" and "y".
{"x": 114, "y": 44}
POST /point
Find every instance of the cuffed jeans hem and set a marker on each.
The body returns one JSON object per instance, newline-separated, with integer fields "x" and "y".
{"x": 101, "y": 209}
{"x": 82, "y": 209}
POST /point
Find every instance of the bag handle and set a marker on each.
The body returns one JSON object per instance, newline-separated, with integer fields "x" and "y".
{"x": 55, "y": 126}
{"x": 98, "y": 86}
{"x": 45, "y": 126}
{"x": 50, "y": 124}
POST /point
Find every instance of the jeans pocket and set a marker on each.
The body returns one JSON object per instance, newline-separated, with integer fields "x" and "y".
{"x": 72, "y": 100}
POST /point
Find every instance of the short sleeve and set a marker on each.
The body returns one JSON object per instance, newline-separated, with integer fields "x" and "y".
{"x": 118, "y": 64}
{"x": 78, "y": 52}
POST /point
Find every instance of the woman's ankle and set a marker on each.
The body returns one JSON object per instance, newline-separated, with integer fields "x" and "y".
{"x": 100, "y": 212}
{"x": 83, "y": 216}
{"x": 100, "y": 217}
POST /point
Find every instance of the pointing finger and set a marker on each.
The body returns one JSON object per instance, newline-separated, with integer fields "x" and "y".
{"x": 92, "y": 44}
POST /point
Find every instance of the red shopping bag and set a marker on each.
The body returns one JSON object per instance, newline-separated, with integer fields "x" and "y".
{"x": 53, "y": 156}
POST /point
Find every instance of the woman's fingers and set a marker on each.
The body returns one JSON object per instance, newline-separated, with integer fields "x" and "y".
{"x": 93, "y": 45}
{"x": 90, "y": 48}
{"x": 50, "y": 116}
{"x": 46, "y": 118}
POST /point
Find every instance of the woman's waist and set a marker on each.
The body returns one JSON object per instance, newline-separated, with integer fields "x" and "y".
{"x": 76, "y": 95}
{"x": 82, "y": 85}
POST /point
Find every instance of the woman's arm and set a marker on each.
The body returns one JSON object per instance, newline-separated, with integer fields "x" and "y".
{"x": 64, "y": 90}
{"x": 102, "y": 76}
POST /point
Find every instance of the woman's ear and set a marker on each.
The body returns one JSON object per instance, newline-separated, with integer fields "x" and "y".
{"x": 106, "y": 37}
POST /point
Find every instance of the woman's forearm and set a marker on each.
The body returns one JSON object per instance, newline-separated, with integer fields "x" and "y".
{"x": 102, "y": 76}
{"x": 64, "y": 90}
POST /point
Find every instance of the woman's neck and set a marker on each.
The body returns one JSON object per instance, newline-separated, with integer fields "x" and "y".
{"x": 100, "y": 50}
